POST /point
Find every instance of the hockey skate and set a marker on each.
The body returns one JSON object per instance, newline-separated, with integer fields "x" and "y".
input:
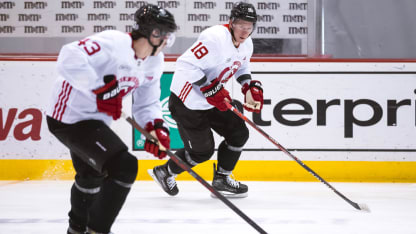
{"x": 90, "y": 231}
{"x": 75, "y": 228}
{"x": 167, "y": 181}
{"x": 228, "y": 186}
{"x": 73, "y": 231}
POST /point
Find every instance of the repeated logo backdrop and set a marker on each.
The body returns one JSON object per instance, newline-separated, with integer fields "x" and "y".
{"x": 52, "y": 18}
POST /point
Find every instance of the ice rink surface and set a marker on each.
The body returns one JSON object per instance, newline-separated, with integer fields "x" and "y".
{"x": 278, "y": 207}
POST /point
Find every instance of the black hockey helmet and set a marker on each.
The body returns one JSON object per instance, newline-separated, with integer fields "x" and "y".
{"x": 150, "y": 17}
{"x": 244, "y": 11}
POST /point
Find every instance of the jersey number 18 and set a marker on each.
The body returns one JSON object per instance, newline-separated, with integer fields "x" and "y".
{"x": 199, "y": 50}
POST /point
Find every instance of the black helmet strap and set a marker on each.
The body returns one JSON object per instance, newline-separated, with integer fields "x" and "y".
{"x": 155, "y": 47}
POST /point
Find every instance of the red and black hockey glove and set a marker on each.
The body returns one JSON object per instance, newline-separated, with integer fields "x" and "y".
{"x": 161, "y": 133}
{"x": 253, "y": 100}
{"x": 109, "y": 100}
{"x": 216, "y": 95}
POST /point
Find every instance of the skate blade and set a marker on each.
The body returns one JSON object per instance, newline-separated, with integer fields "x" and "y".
{"x": 150, "y": 172}
{"x": 231, "y": 195}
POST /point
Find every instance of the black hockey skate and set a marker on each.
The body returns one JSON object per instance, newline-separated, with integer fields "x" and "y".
{"x": 228, "y": 186}
{"x": 75, "y": 228}
{"x": 73, "y": 231}
{"x": 90, "y": 231}
{"x": 167, "y": 181}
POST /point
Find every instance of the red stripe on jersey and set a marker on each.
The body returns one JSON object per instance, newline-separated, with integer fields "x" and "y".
{"x": 185, "y": 91}
{"x": 65, "y": 102}
{"x": 184, "y": 87}
{"x": 186, "y": 94}
{"x": 180, "y": 95}
{"x": 63, "y": 98}
{"x": 57, "y": 105}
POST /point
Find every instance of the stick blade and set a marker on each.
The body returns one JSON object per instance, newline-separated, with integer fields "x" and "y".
{"x": 364, "y": 207}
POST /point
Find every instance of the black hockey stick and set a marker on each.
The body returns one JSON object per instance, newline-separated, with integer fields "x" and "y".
{"x": 184, "y": 166}
{"x": 357, "y": 206}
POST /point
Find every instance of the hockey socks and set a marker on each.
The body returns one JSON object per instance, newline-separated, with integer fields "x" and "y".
{"x": 228, "y": 156}
{"x": 106, "y": 207}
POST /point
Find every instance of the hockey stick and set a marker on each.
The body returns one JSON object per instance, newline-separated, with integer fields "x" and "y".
{"x": 357, "y": 206}
{"x": 184, "y": 166}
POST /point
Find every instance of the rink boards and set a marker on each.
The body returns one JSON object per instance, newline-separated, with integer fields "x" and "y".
{"x": 347, "y": 120}
{"x": 247, "y": 170}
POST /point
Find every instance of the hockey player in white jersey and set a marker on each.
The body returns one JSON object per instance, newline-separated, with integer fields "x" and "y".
{"x": 197, "y": 101}
{"x": 94, "y": 75}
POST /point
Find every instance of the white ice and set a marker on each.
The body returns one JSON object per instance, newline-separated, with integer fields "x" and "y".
{"x": 277, "y": 207}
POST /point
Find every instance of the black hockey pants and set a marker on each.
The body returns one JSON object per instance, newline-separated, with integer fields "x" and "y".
{"x": 105, "y": 171}
{"x": 195, "y": 129}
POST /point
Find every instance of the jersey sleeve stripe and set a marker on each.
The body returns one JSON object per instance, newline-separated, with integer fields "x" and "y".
{"x": 185, "y": 91}
{"x": 57, "y": 105}
{"x": 60, "y": 97}
{"x": 182, "y": 90}
{"x": 65, "y": 102}
{"x": 58, "y": 111}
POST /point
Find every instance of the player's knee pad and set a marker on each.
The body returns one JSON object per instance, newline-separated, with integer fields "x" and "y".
{"x": 88, "y": 180}
{"x": 239, "y": 137}
{"x": 193, "y": 159}
{"x": 200, "y": 156}
{"x": 227, "y": 147}
{"x": 123, "y": 169}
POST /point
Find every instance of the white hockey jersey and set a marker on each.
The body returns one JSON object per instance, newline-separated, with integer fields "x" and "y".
{"x": 83, "y": 64}
{"x": 212, "y": 55}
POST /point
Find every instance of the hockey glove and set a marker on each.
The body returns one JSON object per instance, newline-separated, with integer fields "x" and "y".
{"x": 216, "y": 95}
{"x": 253, "y": 100}
{"x": 109, "y": 100}
{"x": 161, "y": 133}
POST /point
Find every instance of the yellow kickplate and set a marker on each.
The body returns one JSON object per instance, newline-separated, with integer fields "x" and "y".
{"x": 340, "y": 171}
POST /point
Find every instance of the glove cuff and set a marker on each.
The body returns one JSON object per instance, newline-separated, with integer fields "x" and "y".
{"x": 110, "y": 84}
{"x": 156, "y": 123}
{"x": 211, "y": 89}
{"x": 253, "y": 83}
{"x": 245, "y": 88}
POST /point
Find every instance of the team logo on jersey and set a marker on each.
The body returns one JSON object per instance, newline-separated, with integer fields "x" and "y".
{"x": 127, "y": 84}
{"x": 228, "y": 72}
